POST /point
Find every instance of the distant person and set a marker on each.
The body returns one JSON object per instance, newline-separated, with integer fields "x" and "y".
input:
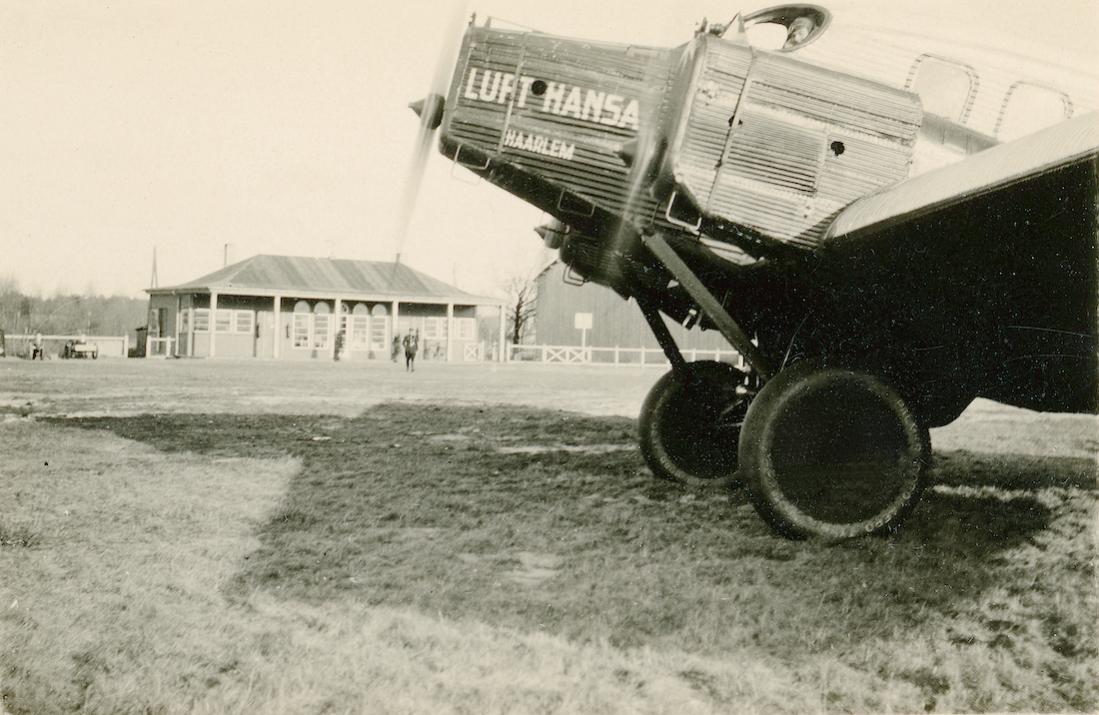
{"x": 396, "y": 347}
{"x": 37, "y": 349}
{"x": 340, "y": 337}
{"x": 411, "y": 346}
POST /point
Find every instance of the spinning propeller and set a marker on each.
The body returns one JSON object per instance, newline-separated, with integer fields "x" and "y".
{"x": 430, "y": 111}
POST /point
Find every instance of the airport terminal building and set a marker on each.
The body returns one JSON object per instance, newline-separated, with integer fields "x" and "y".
{"x": 295, "y": 308}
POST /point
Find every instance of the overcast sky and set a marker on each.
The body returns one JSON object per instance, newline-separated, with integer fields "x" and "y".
{"x": 282, "y": 127}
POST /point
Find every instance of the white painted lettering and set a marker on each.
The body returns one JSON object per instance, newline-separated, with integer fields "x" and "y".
{"x": 539, "y": 144}
{"x": 629, "y": 115}
{"x": 470, "y": 92}
{"x": 613, "y": 105}
{"x": 590, "y": 105}
{"x": 552, "y": 99}
{"x": 572, "y": 104}
{"x": 524, "y": 88}
{"x": 488, "y": 93}
{"x": 506, "y": 88}
{"x": 593, "y": 105}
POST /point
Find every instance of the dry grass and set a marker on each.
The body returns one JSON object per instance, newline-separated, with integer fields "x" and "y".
{"x": 414, "y": 560}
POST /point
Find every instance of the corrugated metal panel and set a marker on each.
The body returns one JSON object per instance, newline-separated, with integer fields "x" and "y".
{"x": 1000, "y": 165}
{"x": 595, "y": 99}
{"x": 780, "y": 146}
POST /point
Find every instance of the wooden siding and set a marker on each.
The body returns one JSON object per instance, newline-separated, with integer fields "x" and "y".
{"x": 615, "y": 322}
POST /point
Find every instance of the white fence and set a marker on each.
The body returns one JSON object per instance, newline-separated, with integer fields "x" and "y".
{"x": 159, "y": 347}
{"x": 54, "y": 345}
{"x": 616, "y": 356}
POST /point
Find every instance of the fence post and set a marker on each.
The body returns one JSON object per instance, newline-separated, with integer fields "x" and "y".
{"x": 543, "y": 352}
{"x": 642, "y": 357}
{"x": 615, "y": 354}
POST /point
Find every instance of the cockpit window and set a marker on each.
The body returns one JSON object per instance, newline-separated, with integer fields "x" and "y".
{"x": 946, "y": 87}
{"x": 1030, "y": 106}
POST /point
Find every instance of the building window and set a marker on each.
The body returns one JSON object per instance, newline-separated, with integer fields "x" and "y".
{"x": 360, "y": 330}
{"x": 321, "y": 323}
{"x": 467, "y": 328}
{"x": 379, "y": 329}
{"x": 360, "y": 326}
{"x": 202, "y": 320}
{"x": 244, "y": 321}
{"x": 434, "y": 329}
{"x": 303, "y": 320}
{"x": 233, "y": 321}
{"x": 223, "y": 323}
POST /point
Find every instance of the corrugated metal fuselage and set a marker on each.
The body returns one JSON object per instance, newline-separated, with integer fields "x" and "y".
{"x": 737, "y": 155}
{"x": 753, "y": 149}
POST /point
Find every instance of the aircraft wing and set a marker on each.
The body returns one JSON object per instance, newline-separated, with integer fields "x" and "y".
{"x": 989, "y": 171}
{"x": 995, "y": 257}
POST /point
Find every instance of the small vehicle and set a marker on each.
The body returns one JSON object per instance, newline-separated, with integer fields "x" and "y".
{"x": 80, "y": 348}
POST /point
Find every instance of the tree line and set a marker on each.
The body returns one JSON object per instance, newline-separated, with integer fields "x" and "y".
{"x": 21, "y": 313}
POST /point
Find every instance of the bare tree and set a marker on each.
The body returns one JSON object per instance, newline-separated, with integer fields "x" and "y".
{"x": 521, "y": 305}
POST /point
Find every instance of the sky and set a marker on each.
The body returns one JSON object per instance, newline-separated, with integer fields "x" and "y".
{"x": 282, "y": 127}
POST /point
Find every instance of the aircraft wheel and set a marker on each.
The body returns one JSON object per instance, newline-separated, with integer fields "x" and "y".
{"x": 830, "y": 453}
{"x": 689, "y": 428}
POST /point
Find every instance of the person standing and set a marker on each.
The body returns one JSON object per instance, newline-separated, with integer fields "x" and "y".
{"x": 411, "y": 346}
{"x": 340, "y": 338}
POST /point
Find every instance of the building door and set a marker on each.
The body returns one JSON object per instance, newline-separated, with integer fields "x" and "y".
{"x": 379, "y": 332}
{"x": 264, "y": 334}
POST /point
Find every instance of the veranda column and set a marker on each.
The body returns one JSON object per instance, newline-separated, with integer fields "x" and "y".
{"x": 333, "y": 332}
{"x": 213, "y": 324}
{"x": 277, "y": 337}
{"x": 502, "y": 356}
{"x": 449, "y": 330}
{"x": 175, "y": 326}
{"x": 396, "y": 313}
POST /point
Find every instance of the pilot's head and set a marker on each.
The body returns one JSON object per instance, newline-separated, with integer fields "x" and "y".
{"x": 797, "y": 31}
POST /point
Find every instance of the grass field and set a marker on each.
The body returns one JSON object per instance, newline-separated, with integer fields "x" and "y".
{"x": 353, "y": 539}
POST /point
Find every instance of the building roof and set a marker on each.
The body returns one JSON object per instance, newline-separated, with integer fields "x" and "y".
{"x": 300, "y": 276}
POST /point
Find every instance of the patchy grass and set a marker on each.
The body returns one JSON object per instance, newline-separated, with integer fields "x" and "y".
{"x": 424, "y": 559}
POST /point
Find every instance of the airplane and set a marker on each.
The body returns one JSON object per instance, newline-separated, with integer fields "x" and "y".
{"x": 773, "y": 198}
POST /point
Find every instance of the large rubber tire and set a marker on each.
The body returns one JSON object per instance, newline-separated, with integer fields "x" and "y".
{"x": 833, "y": 454}
{"x": 690, "y": 424}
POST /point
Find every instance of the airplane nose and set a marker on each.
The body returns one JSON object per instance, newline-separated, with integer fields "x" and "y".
{"x": 429, "y": 109}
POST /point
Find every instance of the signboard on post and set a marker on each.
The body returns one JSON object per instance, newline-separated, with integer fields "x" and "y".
{"x": 582, "y": 322}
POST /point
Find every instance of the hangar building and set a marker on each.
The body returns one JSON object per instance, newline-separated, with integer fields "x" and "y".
{"x": 614, "y": 322}
{"x": 292, "y": 308}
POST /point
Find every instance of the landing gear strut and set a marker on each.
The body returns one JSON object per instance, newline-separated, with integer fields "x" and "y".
{"x": 825, "y": 452}
{"x": 690, "y": 423}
